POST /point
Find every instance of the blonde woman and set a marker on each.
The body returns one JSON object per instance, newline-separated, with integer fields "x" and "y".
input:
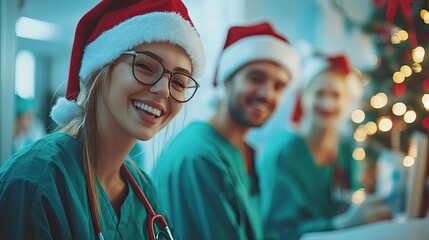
{"x": 132, "y": 69}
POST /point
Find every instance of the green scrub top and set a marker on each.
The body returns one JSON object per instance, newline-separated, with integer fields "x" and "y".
{"x": 43, "y": 195}
{"x": 295, "y": 192}
{"x": 203, "y": 185}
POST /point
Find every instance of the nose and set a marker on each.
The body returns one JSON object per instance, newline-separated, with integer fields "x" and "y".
{"x": 327, "y": 103}
{"x": 161, "y": 87}
{"x": 266, "y": 90}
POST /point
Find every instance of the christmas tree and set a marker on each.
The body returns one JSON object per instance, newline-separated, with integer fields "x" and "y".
{"x": 396, "y": 103}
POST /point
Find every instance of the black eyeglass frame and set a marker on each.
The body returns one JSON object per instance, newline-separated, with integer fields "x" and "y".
{"x": 165, "y": 70}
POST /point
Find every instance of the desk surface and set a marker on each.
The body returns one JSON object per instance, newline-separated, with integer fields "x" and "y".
{"x": 398, "y": 229}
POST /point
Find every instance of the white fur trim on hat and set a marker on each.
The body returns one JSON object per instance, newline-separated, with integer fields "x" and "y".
{"x": 64, "y": 111}
{"x": 260, "y": 47}
{"x": 152, "y": 27}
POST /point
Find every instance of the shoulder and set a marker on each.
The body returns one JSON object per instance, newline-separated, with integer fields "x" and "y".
{"x": 198, "y": 145}
{"x": 197, "y": 133}
{"x": 42, "y": 160}
{"x": 284, "y": 141}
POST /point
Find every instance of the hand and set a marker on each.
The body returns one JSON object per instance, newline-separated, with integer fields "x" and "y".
{"x": 370, "y": 210}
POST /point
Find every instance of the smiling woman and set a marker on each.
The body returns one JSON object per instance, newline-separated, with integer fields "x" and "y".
{"x": 306, "y": 174}
{"x": 79, "y": 182}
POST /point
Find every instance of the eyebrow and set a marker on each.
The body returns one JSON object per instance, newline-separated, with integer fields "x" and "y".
{"x": 260, "y": 72}
{"x": 160, "y": 59}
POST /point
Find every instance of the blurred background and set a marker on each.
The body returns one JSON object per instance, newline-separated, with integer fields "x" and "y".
{"x": 386, "y": 40}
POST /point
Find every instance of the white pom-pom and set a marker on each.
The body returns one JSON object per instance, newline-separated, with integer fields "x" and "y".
{"x": 64, "y": 111}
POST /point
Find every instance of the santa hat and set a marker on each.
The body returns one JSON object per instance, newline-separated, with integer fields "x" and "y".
{"x": 317, "y": 64}
{"x": 115, "y": 26}
{"x": 245, "y": 44}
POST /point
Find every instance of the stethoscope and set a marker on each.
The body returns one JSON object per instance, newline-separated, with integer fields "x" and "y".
{"x": 152, "y": 216}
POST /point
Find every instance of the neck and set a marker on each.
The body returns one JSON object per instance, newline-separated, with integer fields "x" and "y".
{"x": 322, "y": 142}
{"x": 318, "y": 133}
{"x": 115, "y": 144}
{"x": 113, "y": 156}
{"x": 229, "y": 128}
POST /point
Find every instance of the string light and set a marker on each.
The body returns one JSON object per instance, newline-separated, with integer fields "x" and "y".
{"x": 370, "y": 128}
{"x": 358, "y": 116}
{"x": 395, "y": 39}
{"x": 359, "y": 154}
{"x": 425, "y": 101}
{"x": 418, "y": 54}
{"x": 379, "y": 100}
{"x": 416, "y": 67}
{"x": 423, "y": 12}
{"x": 358, "y": 196}
{"x": 360, "y": 134}
{"x": 408, "y": 161}
{"x": 385, "y": 124}
{"x": 399, "y": 109}
{"x": 403, "y": 35}
{"x": 398, "y": 77}
{"x": 406, "y": 70}
{"x": 410, "y": 116}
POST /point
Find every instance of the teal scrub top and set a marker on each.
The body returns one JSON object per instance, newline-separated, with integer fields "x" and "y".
{"x": 295, "y": 192}
{"x": 203, "y": 185}
{"x": 43, "y": 195}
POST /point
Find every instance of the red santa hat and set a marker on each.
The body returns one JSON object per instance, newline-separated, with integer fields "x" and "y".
{"x": 245, "y": 44}
{"x": 317, "y": 64}
{"x": 115, "y": 26}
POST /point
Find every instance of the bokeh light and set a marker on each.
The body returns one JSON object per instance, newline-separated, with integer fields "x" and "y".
{"x": 358, "y": 116}
{"x": 371, "y": 128}
{"x": 406, "y": 70}
{"x": 385, "y": 124}
{"x": 408, "y": 161}
{"x": 399, "y": 109}
{"x": 410, "y": 116}
{"x": 358, "y": 196}
{"x": 398, "y": 77}
{"x": 359, "y": 154}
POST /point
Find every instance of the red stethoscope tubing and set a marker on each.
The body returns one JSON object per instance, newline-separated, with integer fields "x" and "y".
{"x": 152, "y": 215}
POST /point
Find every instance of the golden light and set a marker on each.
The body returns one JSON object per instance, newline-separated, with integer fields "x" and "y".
{"x": 379, "y": 100}
{"x": 403, "y": 35}
{"x": 398, "y": 77}
{"x": 370, "y": 128}
{"x": 360, "y": 134}
{"x": 416, "y": 67}
{"x": 425, "y": 99}
{"x": 426, "y": 18}
{"x": 418, "y": 54}
{"x": 410, "y": 116}
{"x": 385, "y": 124}
{"x": 359, "y": 154}
{"x": 426, "y": 105}
{"x": 358, "y": 116}
{"x": 406, "y": 70}
{"x": 408, "y": 161}
{"x": 399, "y": 109}
{"x": 395, "y": 39}
{"x": 423, "y": 12}
{"x": 358, "y": 196}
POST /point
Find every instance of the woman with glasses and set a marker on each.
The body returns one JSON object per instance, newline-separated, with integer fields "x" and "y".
{"x": 132, "y": 69}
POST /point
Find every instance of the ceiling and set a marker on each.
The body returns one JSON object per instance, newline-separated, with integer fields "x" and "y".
{"x": 64, "y": 13}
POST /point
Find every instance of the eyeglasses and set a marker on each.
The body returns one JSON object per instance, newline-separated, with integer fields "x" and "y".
{"x": 148, "y": 71}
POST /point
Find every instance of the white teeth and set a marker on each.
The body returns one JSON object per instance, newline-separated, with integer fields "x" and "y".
{"x": 148, "y": 108}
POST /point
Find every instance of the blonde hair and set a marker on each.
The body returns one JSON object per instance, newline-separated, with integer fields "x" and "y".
{"x": 85, "y": 127}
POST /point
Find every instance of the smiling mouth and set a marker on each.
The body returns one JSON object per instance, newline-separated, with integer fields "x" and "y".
{"x": 148, "y": 109}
